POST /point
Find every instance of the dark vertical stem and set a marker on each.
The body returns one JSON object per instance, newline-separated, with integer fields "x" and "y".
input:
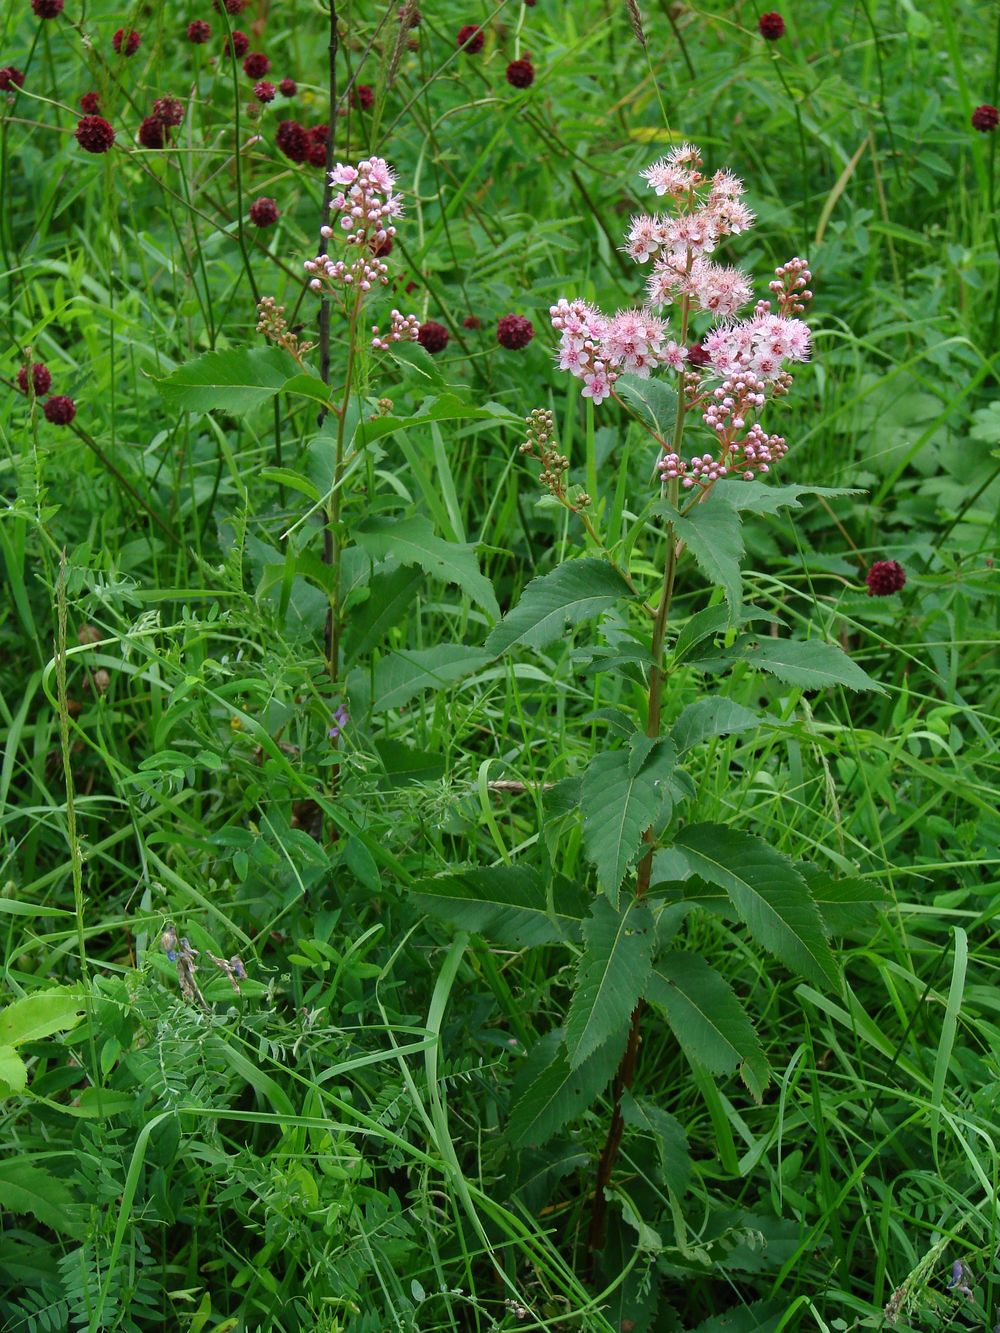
{"x": 324, "y": 307}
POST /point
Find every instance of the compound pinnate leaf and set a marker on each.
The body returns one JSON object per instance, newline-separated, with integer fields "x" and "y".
{"x": 548, "y": 1093}
{"x": 507, "y": 904}
{"x": 619, "y": 804}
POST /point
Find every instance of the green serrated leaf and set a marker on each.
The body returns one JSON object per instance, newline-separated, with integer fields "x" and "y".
{"x": 392, "y": 594}
{"x": 843, "y": 903}
{"x": 654, "y": 401}
{"x": 235, "y": 380}
{"x": 13, "y": 1072}
{"x": 507, "y": 904}
{"x": 547, "y": 1094}
{"x": 768, "y": 893}
{"x": 412, "y": 541}
{"x": 668, "y": 1134}
{"x": 713, "y": 533}
{"x": 401, "y": 675}
{"x": 40, "y": 1014}
{"x": 26, "y": 1188}
{"x": 810, "y": 664}
{"x": 618, "y": 808}
{"x": 761, "y": 497}
{"x": 574, "y": 591}
{"x": 714, "y": 717}
{"x": 610, "y": 977}
{"x": 707, "y": 1019}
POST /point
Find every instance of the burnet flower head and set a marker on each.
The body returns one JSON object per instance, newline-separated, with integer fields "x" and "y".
{"x": 365, "y": 207}
{"x": 741, "y": 362}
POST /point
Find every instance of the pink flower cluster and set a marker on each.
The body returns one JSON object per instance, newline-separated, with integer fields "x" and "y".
{"x": 748, "y": 355}
{"x": 366, "y": 205}
{"x": 597, "y": 349}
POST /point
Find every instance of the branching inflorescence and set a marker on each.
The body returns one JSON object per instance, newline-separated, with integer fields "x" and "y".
{"x": 737, "y": 365}
{"x": 367, "y": 207}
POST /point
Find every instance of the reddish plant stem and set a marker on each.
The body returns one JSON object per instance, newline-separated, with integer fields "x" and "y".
{"x": 657, "y": 675}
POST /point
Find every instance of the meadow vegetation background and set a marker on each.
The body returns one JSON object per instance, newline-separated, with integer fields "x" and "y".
{"x": 259, "y": 1071}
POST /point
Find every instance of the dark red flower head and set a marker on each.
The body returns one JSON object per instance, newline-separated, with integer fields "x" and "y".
{"x": 520, "y": 74}
{"x": 199, "y": 32}
{"x": 472, "y": 322}
{"x": 433, "y": 336}
{"x": 885, "y": 577}
{"x": 697, "y": 356}
{"x": 514, "y": 332}
{"x": 985, "y": 118}
{"x": 169, "y": 110}
{"x": 238, "y": 43}
{"x": 41, "y": 380}
{"x": 59, "y": 410}
{"x": 292, "y": 140}
{"x": 47, "y": 9}
{"x": 232, "y": 6}
{"x": 771, "y": 26}
{"x": 264, "y": 91}
{"x": 316, "y": 145}
{"x": 256, "y": 65}
{"x": 288, "y": 87}
{"x": 470, "y": 39}
{"x": 264, "y": 212}
{"x": 381, "y": 248}
{"x": 94, "y": 134}
{"x": 152, "y": 132}
{"x": 126, "y": 43}
{"x": 90, "y": 104}
{"x": 363, "y": 96}
{"x": 11, "y": 77}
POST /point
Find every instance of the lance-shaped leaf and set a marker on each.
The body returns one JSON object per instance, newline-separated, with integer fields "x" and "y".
{"x": 412, "y": 541}
{"x": 654, "y": 401}
{"x": 762, "y": 497}
{"x": 400, "y": 675}
{"x": 713, "y": 533}
{"x": 574, "y": 591}
{"x": 844, "y": 903}
{"x": 235, "y": 380}
{"x": 667, "y": 1132}
{"x": 548, "y": 1094}
{"x": 610, "y": 977}
{"x": 809, "y": 663}
{"x": 619, "y": 803}
{"x": 393, "y": 592}
{"x": 707, "y": 1019}
{"x": 714, "y": 717}
{"x": 508, "y": 904}
{"x": 768, "y": 893}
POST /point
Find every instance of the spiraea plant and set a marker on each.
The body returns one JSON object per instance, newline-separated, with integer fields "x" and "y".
{"x": 699, "y": 386}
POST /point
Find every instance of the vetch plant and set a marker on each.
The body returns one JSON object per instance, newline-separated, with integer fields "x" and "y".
{"x": 715, "y": 370}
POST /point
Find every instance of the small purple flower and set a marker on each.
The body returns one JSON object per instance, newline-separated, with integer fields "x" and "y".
{"x": 172, "y": 955}
{"x": 961, "y": 1276}
{"x": 340, "y": 720}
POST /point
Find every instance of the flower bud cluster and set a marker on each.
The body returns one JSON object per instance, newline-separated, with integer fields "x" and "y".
{"x": 403, "y": 328}
{"x": 743, "y": 447}
{"x": 272, "y": 324}
{"x": 791, "y": 287}
{"x": 540, "y": 443}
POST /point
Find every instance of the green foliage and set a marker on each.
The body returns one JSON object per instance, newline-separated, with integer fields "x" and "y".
{"x": 578, "y": 590}
{"x": 412, "y": 541}
{"x": 622, "y": 794}
{"x": 610, "y": 977}
{"x": 767, "y": 892}
{"x": 510, "y": 905}
{"x": 235, "y": 381}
